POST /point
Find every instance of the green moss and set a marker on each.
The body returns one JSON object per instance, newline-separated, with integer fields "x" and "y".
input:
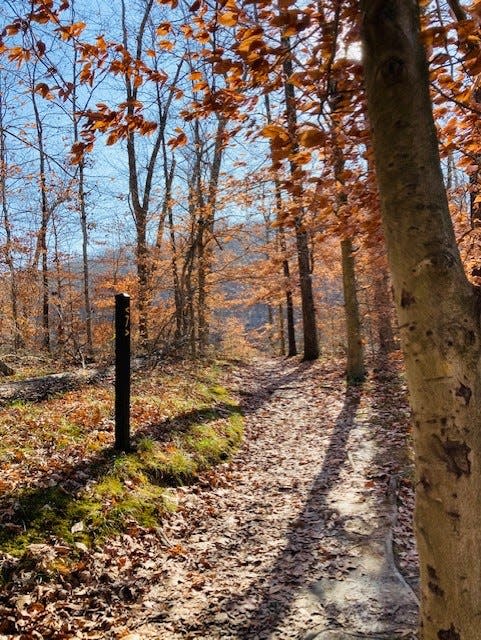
{"x": 48, "y": 512}
{"x": 175, "y": 466}
{"x": 218, "y": 391}
{"x": 208, "y": 444}
{"x": 212, "y": 443}
{"x": 145, "y": 446}
{"x": 128, "y": 467}
{"x": 70, "y": 429}
{"x": 145, "y": 506}
{"x": 110, "y": 486}
{"x": 18, "y": 404}
{"x": 235, "y": 429}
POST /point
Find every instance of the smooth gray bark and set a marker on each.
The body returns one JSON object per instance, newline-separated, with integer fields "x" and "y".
{"x": 439, "y": 318}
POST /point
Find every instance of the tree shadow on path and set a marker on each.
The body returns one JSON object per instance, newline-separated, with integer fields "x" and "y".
{"x": 267, "y": 384}
{"x": 287, "y": 573}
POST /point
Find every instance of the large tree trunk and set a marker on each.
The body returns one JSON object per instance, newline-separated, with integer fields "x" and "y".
{"x": 439, "y": 317}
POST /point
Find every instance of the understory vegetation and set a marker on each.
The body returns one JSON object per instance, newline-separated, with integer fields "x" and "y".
{"x": 64, "y": 485}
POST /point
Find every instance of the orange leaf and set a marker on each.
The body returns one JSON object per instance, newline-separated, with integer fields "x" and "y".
{"x": 18, "y": 54}
{"x": 200, "y": 86}
{"x": 163, "y": 29}
{"x": 41, "y": 48}
{"x": 166, "y": 44}
{"x": 178, "y": 141}
{"x": 303, "y": 157}
{"x": 187, "y": 30}
{"x": 311, "y": 137}
{"x": 228, "y": 19}
{"x": 222, "y": 66}
{"x": 43, "y": 90}
{"x": 274, "y": 131}
{"x": 68, "y": 32}
{"x": 298, "y": 79}
{"x": 112, "y": 139}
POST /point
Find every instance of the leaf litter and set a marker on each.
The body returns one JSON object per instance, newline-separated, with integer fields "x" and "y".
{"x": 287, "y": 540}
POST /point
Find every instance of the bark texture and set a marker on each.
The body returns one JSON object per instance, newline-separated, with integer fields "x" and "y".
{"x": 383, "y": 302}
{"x": 355, "y": 370}
{"x": 439, "y": 320}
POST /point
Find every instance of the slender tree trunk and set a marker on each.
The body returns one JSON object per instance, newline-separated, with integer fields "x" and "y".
{"x": 439, "y": 318}
{"x": 178, "y": 296}
{"x": 311, "y": 346}
{"x": 189, "y": 326}
{"x": 355, "y": 370}
{"x": 42, "y": 237}
{"x": 281, "y": 247}
{"x": 270, "y": 325}
{"x": 281, "y": 234}
{"x": 59, "y": 297}
{"x": 166, "y": 210}
{"x": 140, "y": 194}
{"x": 82, "y": 203}
{"x": 202, "y": 322}
{"x": 166, "y": 206}
{"x": 142, "y": 254}
{"x": 282, "y": 333}
{"x": 291, "y": 325}
{"x": 85, "y": 259}
{"x": 383, "y": 302}
{"x": 207, "y": 207}
{"x": 286, "y": 270}
{"x": 18, "y": 342}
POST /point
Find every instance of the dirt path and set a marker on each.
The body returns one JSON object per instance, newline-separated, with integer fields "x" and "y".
{"x": 293, "y": 538}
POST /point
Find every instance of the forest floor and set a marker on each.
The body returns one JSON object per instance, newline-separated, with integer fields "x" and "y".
{"x": 305, "y": 533}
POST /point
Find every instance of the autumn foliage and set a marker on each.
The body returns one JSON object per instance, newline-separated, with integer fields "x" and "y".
{"x": 234, "y": 129}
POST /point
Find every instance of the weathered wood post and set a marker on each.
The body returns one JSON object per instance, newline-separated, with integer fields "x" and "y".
{"x": 122, "y": 372}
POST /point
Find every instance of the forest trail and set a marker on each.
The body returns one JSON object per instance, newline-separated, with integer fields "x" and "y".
{"x": 292, "y": 538}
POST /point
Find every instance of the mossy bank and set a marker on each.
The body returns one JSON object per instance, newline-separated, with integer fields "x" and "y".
{"x": 183, "y": 423}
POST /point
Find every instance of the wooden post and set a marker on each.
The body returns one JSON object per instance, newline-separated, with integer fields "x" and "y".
{"x": 122, "y": 372}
